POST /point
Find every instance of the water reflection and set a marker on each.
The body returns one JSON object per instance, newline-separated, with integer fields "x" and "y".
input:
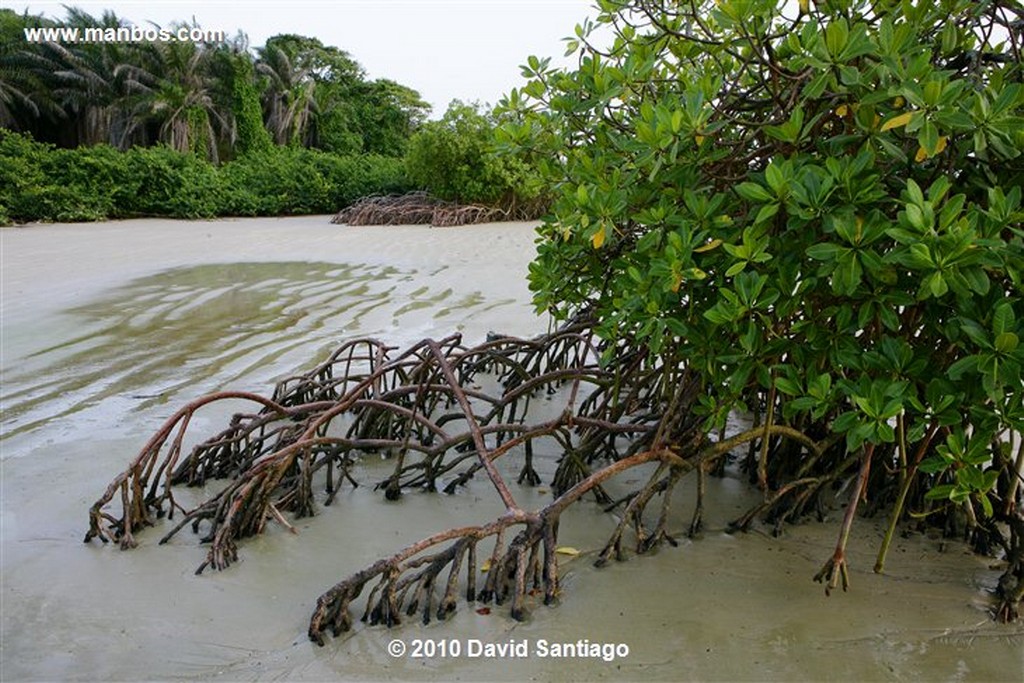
{"x": 210, "y": 326}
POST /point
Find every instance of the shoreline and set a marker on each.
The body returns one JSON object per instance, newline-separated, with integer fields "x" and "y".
{"x": 230, "y": 218}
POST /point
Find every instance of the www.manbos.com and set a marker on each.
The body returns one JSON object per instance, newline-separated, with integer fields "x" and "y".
{"x": 123, "y": 34}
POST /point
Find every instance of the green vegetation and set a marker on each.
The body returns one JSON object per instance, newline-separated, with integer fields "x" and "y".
{"x": 816, "y": 207}
{"x": 809, "y": 213}
{"x": 200, "y": 97}
{"x": 253, "y": 136}
{"x": 96, "y": 130}
{"x": 40, "y": 182}
{"x": 292, "y": 127}
{"x": 456, "y": 160}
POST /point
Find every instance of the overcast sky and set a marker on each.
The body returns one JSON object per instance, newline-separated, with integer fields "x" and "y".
{"x": 445, "y": 49}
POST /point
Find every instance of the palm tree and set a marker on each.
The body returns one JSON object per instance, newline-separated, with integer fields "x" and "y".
{"x": 289, "y": 100}
{"x": 171, "y": 87}
{"x": 16, "y": 91}
{"x": 86, "y": 82}
{"x": 25, "y": 99}
{"x": 68, "y": 84}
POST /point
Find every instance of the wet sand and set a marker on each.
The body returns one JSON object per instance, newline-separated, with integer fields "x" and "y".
{"x": 107, "y": 328}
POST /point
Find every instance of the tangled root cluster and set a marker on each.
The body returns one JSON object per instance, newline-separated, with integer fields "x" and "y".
{"x": 444, "y": 413}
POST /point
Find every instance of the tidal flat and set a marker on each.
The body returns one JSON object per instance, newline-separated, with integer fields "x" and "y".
{"x": 107, "y": 328}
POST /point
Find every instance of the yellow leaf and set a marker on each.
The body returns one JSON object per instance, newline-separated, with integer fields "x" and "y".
{"x": 598, "y": 239}
{"x": 567, "y": 550}
{"x": 713, "y": 244}
{"x": 699, "y": 139}
{"x": 897, "y": 121}
{"x": 841, "y": 110}
{"x": 923, "y": 154}
{"x": 805, "y": 6}
{"x": 899, "y": 102}
{"x": 486, "y": 565}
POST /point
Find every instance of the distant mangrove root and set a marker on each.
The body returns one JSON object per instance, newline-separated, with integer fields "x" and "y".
{"x": 443, "y": 413}
{"x": 420, "y": 208}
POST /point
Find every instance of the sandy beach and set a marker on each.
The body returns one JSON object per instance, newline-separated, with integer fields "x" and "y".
{"x": 107, "y": 328}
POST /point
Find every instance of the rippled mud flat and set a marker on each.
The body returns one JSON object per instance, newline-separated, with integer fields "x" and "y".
{"x": 202, "y": 327}
{"x": 108, "y": 328}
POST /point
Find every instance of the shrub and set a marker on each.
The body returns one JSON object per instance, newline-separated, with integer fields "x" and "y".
{"x": 290, "y": 180}
{"x": 817, "y": 208}
{"x": 457, "y": 159}
{"x": 41, "y": 183}
{"x": 38, "y": 182}
{"x": 163, "y": 182}
{"x": 282, "y": 181}
{"x": 353, "y": 177}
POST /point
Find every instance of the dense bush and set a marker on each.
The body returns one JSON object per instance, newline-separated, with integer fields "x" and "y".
{"x": 352, "y": 177}
{"x": 41, "y": 183}
{"x": 292, "y": 180}
{"x": 281, "y": 181}
{"x": 456, "y": 159}
{"x": 816, "y": 207}
{"x": 161, "y": 182}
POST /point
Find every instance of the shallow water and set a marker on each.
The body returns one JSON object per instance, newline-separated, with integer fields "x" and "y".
{"x": 228, "y": 324}
{"x": 108, "y": 328}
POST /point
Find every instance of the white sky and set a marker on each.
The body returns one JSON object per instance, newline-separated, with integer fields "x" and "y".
{"x": 445, "y": 49}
